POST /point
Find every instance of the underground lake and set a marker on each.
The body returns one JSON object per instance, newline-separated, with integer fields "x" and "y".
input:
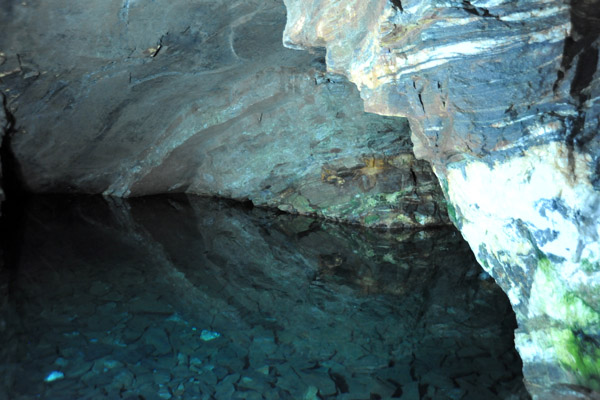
{"x": 186, "y": 297}
{"x": 417, "y": 187}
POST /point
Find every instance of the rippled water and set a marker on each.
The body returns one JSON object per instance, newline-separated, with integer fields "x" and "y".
{"x": 189, "y": 298}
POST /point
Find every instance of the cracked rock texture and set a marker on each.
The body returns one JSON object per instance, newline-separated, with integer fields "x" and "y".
{"x": 502, "y": 98}
{"x": 128, "y": 98}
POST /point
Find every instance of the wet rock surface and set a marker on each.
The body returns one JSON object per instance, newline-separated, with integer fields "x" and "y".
{"x": 132, "y": 98}
{"x": 186, "y": 298}
{"x": 502, "y": 99}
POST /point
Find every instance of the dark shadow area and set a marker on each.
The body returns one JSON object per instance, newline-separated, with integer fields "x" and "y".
{"x": 189, "y": 298}
{"x": 13, "y": 206}
{"x": 11, "y": 238}
{"x": 580, "y": 57}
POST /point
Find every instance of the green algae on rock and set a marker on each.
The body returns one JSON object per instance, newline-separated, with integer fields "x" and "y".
{"x": 539, "y": 251}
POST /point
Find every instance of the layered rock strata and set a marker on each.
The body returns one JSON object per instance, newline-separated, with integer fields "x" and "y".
{"x": 130, "y": 99}
{"x": 502, "y": 98}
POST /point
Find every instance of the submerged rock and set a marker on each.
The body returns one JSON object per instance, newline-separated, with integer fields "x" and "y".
{"x": 502, "y": 99}
{"x": 54, "y": 376}
{"x": 135, "y": 99}
{"x": 207, "y": 335}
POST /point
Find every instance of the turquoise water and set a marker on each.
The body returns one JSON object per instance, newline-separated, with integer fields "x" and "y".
{"x": 189, "y": 298}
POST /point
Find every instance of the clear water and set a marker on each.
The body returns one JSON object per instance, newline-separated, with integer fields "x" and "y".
{"x": 188, "y": 298}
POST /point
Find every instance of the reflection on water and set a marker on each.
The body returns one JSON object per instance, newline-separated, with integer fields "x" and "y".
{"x": 188, "y": 298}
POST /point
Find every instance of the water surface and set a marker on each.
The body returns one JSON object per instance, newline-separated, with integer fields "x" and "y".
{"x": 190, "y": 298}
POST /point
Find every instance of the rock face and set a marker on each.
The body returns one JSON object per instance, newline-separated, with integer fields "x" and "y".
{"x": 502, "y": 98}
{"x": 129, "y": 99}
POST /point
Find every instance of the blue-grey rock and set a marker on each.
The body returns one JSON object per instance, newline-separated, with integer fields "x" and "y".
{"x": 502, "y": 99}
{"x": 131, "y": 98}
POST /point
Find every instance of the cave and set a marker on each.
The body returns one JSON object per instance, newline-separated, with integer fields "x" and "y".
{"x": 300, "y": 199}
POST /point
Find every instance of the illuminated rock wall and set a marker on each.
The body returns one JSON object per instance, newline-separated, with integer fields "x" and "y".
{"x": 134, "y": 98}
{"x": 502, "y": 99}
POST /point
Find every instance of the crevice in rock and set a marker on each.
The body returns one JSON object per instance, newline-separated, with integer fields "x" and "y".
{"x": 479, "y": 11}
{"x": 422, "y": 105}
{"x": 579, "y": 48}
{"x": 398, "y": 389}
{"x": 586, "y": 66}
{"x": 596, "y": 175}
{"x": 340, "y": 382}
{"x": 414, "y": 178}
{"x": 586, "y": 30}
{"x": 397, "y": 4}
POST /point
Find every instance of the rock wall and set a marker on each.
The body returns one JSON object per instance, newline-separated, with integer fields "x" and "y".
{"x": 502, "y": 98}
{"x": 130, "y": 98}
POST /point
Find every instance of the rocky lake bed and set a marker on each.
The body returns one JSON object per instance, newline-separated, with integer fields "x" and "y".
{"x": 189, "y": 298}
